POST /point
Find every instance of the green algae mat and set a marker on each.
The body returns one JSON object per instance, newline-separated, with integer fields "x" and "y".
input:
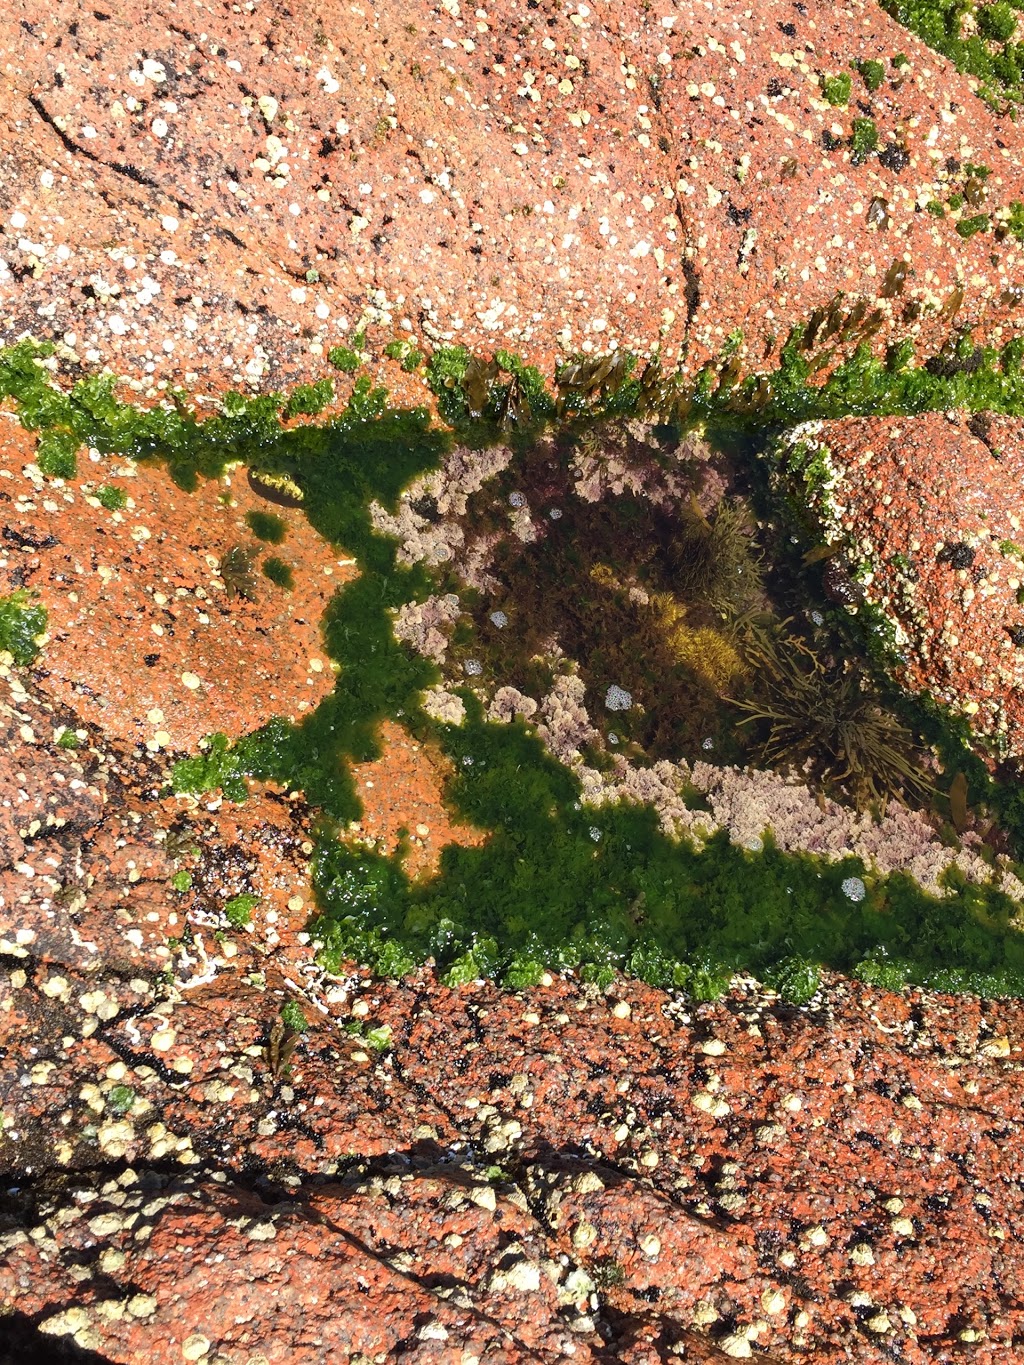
{"x": 562, "y": 882}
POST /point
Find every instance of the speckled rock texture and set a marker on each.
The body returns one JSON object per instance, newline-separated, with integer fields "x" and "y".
{"x": 223, "y": 191}
{"x": 214, "y": 195}
{"x": 148, "y": 639}
{"x": 448, "y": 1175}
{"x": 451, "y": 1174}
{"x": 929, "y": 512}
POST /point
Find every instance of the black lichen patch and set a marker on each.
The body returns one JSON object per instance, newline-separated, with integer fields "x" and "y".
{"x": 958, "y": 555}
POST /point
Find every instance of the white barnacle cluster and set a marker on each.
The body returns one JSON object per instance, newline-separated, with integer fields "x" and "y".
{"x": 618, "y": 698}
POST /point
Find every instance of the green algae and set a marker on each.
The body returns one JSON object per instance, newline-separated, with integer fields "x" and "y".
{"x": 561, "y": 886}
{"x": 22, "y": 622}
{"x": 556, "y": 885}
{"x": 279, "y": 572}
{"x": 293, "y": 1018}
{"x": 238, "y": 910}
{"x": 111, "y": 498}
{"x": 308, "y": 400}
{"x": 836, "y": 89}
{"x": 872, "y": 73}
{"x": 989, "y": 53}
{"x": 267, "y": 526}
{"x": 344, "y": 358}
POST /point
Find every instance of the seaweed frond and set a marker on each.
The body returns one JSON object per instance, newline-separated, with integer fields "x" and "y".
{"x": 827, "y": 713}
{"x": 236, "y": 569}
{"x": 716, "y": 559}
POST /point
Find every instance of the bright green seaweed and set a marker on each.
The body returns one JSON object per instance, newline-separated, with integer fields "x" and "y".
{"x": 556, "y": 885}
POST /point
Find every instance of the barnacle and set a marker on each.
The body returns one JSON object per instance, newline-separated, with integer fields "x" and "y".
{"x": 826, "y": 712}
{"x": 236, "y": 570}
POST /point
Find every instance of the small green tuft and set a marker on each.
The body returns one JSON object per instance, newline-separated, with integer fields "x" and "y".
{"x": 293, "y": 1018}
{"x": 110, "y": 497}
{"x": 379, "y": 1038}
{"x": 121, "y": 1099}
{"x": 344, "y": 359}
{"x": 216, "y": 765}
{"x": 279, "y": 572}
{"x": 56, "y": 453}
{"x": 863, "y": 139}
{"x": 967, "y": 227}
{"x": 872, "y": 73}
{"x": 21, "y": 624}
{"x": 238, "y": 910}
{"x": 309, "y": 400}
{"x": 181, "y": 881}
{"x": 836, "y": 89}
{"x": 796, "y": 979}
{"x": 68, "y": 740}
{"x": 267, "y": 526}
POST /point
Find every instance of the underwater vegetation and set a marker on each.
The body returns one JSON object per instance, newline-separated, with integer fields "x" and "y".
{"x": 715, "y": 559}
{"x": 824, "y": 712}
{"x": 236, "y": 569}
{"x": 279, "y": 572}
{"x": 22, "y": 621}
{"x": 637, "y": 595}
{"x": 558, "y": 885}
{"x": 267, "y": 526}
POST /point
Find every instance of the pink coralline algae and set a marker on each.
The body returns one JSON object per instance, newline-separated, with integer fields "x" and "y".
{"x": 509, "y": 704}
{"x": 427, "y": 626}
{"x": 565, "y": 725}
